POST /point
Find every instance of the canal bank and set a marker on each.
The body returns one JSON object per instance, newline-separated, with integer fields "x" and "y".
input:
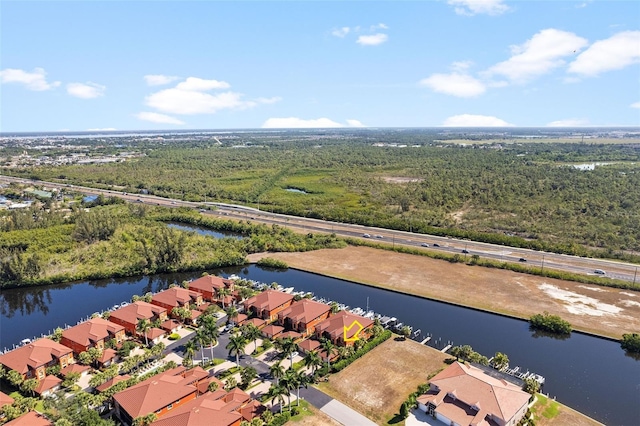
{"x": 589, "y": 374}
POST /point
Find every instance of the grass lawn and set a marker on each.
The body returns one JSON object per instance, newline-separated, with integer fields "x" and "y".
{"x": 549, "y": 412}
{"x": 377, "y": 384}
{"x": 311, "y": 416}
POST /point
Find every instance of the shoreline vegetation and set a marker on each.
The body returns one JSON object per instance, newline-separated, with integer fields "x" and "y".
{"x": 524, "y": 194}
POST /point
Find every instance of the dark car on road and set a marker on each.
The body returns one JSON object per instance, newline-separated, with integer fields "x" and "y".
{"x": 522, "y": 259}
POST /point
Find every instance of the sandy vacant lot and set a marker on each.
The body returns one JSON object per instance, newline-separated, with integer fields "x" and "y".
{"x": 600, "y": 310}
{"x": 377, "y": 384}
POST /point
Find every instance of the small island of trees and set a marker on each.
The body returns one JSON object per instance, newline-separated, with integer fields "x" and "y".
{"x": 631, "y": 342}
{"x": 550, "y": 323}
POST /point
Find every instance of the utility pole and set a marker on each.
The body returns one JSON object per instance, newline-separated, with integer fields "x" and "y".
{"x": 542, "y": 269}
{"x": 635, "y": 274}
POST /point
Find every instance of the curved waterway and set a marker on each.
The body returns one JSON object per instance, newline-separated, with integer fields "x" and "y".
{"x": 590, "y": 374}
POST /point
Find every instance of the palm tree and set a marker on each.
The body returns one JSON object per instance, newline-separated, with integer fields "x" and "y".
{"x": 301, "y": 380}
{"x": 313, "y": 360}
{"x": 190, "y": 349}
{"x": 286, "y": 347}
{"x": 29, "y": 385}
{"x": 222, "y": 293}
{"x": 276, "y": 371}
{"x": 201, "y": 339}
{"x": 210, "y": 326}
{"x": 345, "y": 351}
{"x": 252, "y": 333}
{"x": 236, "y": 346}
{"x": 144, "y": 326}
{"x": 232, "y": 313}
{"x": 277, "y": 392}
{"x": 328, "y": 346}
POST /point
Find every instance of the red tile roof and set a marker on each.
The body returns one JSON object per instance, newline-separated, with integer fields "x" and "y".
{"x": 289, "y": 334}
{"x": 176, "y": 296}
{"x": 272, "y": 330}
{"x": 256, "y": 322}
{"x": 48, "y": 383}
{"x": 137, "y": 311}
{"x": 153, "y": 394}
{"x": 269, "y": 300}
{"x": 170, "y": 325}
{"x": 209, "y": 283}
{"x": 342, "y": 322}
{"x": 203, "y": 411}
{"x": 34, "y": 355}
{"x": 107, "y": 355}
{"x": 117, "y": 379}
{"x": 305, "y": 311}
{"x": 5, "y": 399}
{"x": 154, "y": 332}
{"x": 252, "y": 409}
{"x": 30, "y": 419}
{"x": 237, "y": 395}
{"x": 309, "y": 345}
{"x": 474, "y": 387}
{"x": 74, "y": 368}
{"x": 91, "y": 331}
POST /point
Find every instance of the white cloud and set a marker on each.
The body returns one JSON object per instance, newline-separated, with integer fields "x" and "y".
{"x": 372, "y": 40}
{"x": 460, "y": 85}
{"x": 155, "y": 117}
{"x": 190, "y": 97}
{"x": 538, "y": 55}
{"x": 35, "y": 80}
{"x": 199, "y": 84}
{"x": 87, "y": 90}
{"x": 470, "y": 120}
{"x": 355, "y": 123}
{"x": 102, "y": 129}
{"x": 569, "y": 122}
{"x": 341, "y": 32}
{"x": 379, "y": 26}
{"x": 474, "y": 7}
{"x": 299, "y": 123}
{"x": 635, "y": 105}
{"x": 614, "y": 53}
{"x": 159, "y": 79}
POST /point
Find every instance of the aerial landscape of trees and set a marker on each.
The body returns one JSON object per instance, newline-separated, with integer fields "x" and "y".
{"x": 520, "y": 194}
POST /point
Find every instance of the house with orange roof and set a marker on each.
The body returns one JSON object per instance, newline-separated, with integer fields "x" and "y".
{"x": 465, "y": 395}
{"x": 92, "y": 334}
{"x": 113, "y": 381}
{"x": 217, "y": 408}
{"x": 159, "y": 394}
{"x": 129, "y": 315}
{"x": 272, "y": 331}
{"x": 344, "y": 324}
{"x": 31, "y": 418}
{"x": 209, "y": 285}
{"x": 31, "y": 360}
{"x": 303, "y": 316}
{"x": 268, "y": 304}
{"x": 176, "y": 297}
{"x": 48, "y": 385}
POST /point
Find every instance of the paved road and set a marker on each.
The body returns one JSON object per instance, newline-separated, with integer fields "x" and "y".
{"x": 575, "y": 264}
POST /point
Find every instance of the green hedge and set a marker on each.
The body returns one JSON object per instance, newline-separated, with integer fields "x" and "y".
{"x": 340, "y": 365}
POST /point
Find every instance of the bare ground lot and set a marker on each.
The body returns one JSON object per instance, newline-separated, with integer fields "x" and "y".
{"x": 377, "y": 384}
{"x": 600, "y": 310}
{"x": 318, "y": 418}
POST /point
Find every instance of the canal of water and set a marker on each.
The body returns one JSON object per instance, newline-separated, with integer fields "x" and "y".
{"x": 590, "y": 374}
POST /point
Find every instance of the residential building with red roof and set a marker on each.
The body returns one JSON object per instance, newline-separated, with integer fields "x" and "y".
{"x": 159, "y": 394}
{"x": 176, "y": 297}
{"x": 268, "y": 304}
{"x": 466, "y": 395}
{"x": 303, "y": 316}
{"x": 48, "y": 385}
{"x": 92, "y": 334}
{"x": 5, "y": 400}
{"x": 31, "y": 360}
{"x": 343, "y": 325}
{"x": 113, "y": 381}
{"x": 272, "y": 331}
{"x": 31, "y": 418}
{"x": 209, "y": 285}
{"x": 129, "y": 315}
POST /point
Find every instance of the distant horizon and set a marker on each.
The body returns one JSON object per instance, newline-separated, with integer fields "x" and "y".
{"x": 462, "y": 129}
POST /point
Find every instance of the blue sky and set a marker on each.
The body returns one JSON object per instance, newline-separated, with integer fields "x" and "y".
{"x": 249, "y": 64}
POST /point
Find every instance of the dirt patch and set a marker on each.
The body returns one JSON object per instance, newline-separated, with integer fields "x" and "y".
{"x": 493, "y": 290}
{"x": 400, "y": 180}
{"x": 399, "y": 366}
{"x": 317, "y": 419}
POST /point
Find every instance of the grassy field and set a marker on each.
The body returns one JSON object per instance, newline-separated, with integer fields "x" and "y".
{"x": 599, "y": 310}
{"x": 399, "y": 366}
{"x": 549, "y": 412}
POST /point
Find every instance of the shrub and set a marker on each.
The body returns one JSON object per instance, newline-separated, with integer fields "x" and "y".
{"x": 631, "y": 342}
{"x": 272, "y": 263}
{"x": 550, "y": 323}
{"x": 174, "y": 336}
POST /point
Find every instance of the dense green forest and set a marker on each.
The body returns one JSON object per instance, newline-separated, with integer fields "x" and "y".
{"x": 519, "y": 194}
{"x": 44, "y": 246}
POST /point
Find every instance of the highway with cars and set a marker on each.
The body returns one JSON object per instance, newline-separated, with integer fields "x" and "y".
{"x": 581, "y": 265}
